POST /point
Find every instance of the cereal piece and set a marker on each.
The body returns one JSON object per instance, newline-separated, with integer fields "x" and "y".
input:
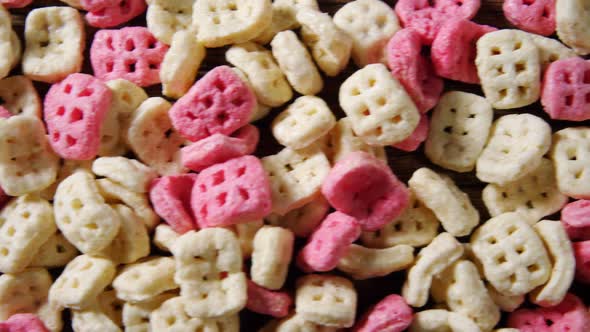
{"x": 246, "y": 233}
{"x": 295, "y": 177}
{"x": 344, "y": 140}
{"x": 566, "y": 87}
{"x": 172, "y": 316}
{"x": 180, "y": 65}
{"x": 209, "y": 272}
{"x": 508, "y": 66}
{"x": 18, "y": 96}
{"x": 153, "y": 139}
{"x": 575, "y": 217}
{"x": 302, "y": 221}
{"x": 569, "y": 315}
{"x": 165, "y": 237}
{"x": 129, "y": 173}
{"x": 570, "y": 16}
{"x": 306, "y": 120}
{"x": 413, "y": 70}
{"x": 263, "y": 301}
{"x": 265, "y": 76}
{"x": 121, "y": 12}
{"x": 330, "y": 46}
{"x": 435, "y": 320}
{"x": 378, "y": 106}
{"x": 535, "y": 16}
{"x": 6, "y": 51}
{"x": 391, "y": 314}
{"x": 507, "y": 303}
{"x": 81, "y": 281}
{"x": 419, "y": 135}
{"x": 513, "y": 257}
{"x": 131, "y": 53}
{"x": 27, "y": 163}
{"x": 550, "y": 50}
{"x": 55, "y": 43}
{"x": 136, "y": 316}
{"x": 111, "y": 306}
{"x": 453, "y": 50}
{"x": 326, "y": 300}
{"x": 127, "y": 97}
{"x": 24, "y": 323}
{"x": 170, "y": 197}
{"x": 92, "y": 319}
{"x": 284, "y": 14}
{"x": 219, "y": 148}
{"x": 441, "y": 253}
{"x": 165, "y": 18}
{"x": 271, "y": 256}
{"x": 518, "y": 143}
{"x": 15, "y": 3}
{"x": 296, "y": 63}
{"x": 132, "y": 242}
{"x": 55, "y": 252}
{"x": 66, "y": 168}
{"x": 146, "y": 279}
{"x": 570, "y": 157}
{"x": 16, "y": 46}
{"x": 110, "y": 136}
{"x": 365, "y": 263}
{"x": 582, "y": 255}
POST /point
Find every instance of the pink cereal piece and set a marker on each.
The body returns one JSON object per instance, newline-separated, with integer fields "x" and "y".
{"x": 219, "y": 148}
{"x": 392, "y": 314}
{"x": 566, "y": 90}
{"x": 74, "y": 110}
{"x": 232, "y": 192}
{"x": 536, "y": 16}
{"x": 267, "y": 302}
{"x": 365, "y": 188}
{"x": 329, "y": 242}
{"x": 570, "y": 315}
{"x": 131, "y": 53}
{"x": 171, "y": 197}
{"x": 23, "y": 323}
{"x": 575, "y": 217}
{"x": 582, "y": 254}
{"x": 453, "y": 50}
{"x": 413, "y": 70}
{"x": 427, "y": 19}
{"x": 4, "y": 113}
{"x": 15, "y": 3}
{"x": 418, "y": 136}
{"x": 122, "y": 11}
{"x": 96, "y": 5}
{"x": 220, "y": 102}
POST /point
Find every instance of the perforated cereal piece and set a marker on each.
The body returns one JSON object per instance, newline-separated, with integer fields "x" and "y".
{"x": 570, "y": 16}
{"x": 146, "y": 279}
{"x": 550, "y": 50}
{"x": 165, "y": 18}
{"x": 295, "y": 177}
{"x": 326, "y": 300}
{"x": 22, "y": 323}
{"x": 122, "y": 11}
{"x": 575, "y": 217}
{"x": 164, "y": 237}
{"x": 380, "y": 110}
{"x": 129, "y": 173}
{"x": 566, "y": 87}
{"x": 153, "y": 139}
{"x": 570, "y": 314}
{"x": 535, "y": 16}
{"x": 181, "y": 63}
{"x": 518, "y": 143}
{"x": 302, "y": 221}
{"x": 55, "y": 252}
{"x": 419, "y": 135}
{"x": 19, "y": 96}
{"x": 570, "y": 158}
{"x": 364, "y": 263}
{"x": 344, "y": 140}
{"x": 434, "y": 320}
{"x": 130, "y": 53}
{"x": 55, "y": 41}
{"x": 91, "y": 318}
{"x": 441, "y": 253}
{"x": 284, "y": 18}
{"x": 136, "y": 316}
{"x": 132, "y": 242}
{"x": 66, "y": 168}
{"x": 296, "y": 64}
{"x": 172, "y": 316}
{"x": 246, "y": 233}
{"x": 391, "y": 314}
{"x": 81, "y": 281}
{"x": 271, "y": 256}
{"x": 330, "y": 46}
{"x": 266, "y": 302}
{"x": 170, "y": 197}
{"x": 219, "y": 148}
{"x": 459, "y": 130}
{"x": 209, "y": 272}
{"x": 27, "y": 163}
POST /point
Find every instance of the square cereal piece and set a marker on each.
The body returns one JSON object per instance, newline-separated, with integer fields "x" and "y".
{"x": 181, "y": 64}
{"x": 136, "y": 316}
{"x": 19, "y": 96}
{"x": 571, "y": 157}
{"x": 550, "y": 50}
{"x": 145, "y": 280}
{"x": 273, "y": 248}
{"x": 566, "y": 90}
{"x": 165, "y": 18}
{"x": 570, "y": 16}
{"x": 91, "y": 318}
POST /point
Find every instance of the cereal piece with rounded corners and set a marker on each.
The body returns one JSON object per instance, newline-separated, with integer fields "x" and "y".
{"x": 66, "y": 168}
{"x": 164, "y": 237}
{"x": 129, "y": 173}
{"x": 511, "y": 253}
{"x": 7, "y": 53}
{"x": 518, "y": 143}
{"x": 170, "y": 196}
{"x": 296, "y": 63}
{"x": 23, "y": 322}
{"x": 459, "y": 130}
{"x": 19, "y": 96}
{"x": 306, "y": 120}
{"x": 165, "y": 18}
{"x": 181, "y": 64}
{"x": 419, "y": 135}
{"x": 127, "y": 96}
{"x": 365, "y": 263}
{"x": 571, "y": 314}
{"x": 506, "y": 303}
{"x": 54, "y": 43}
{"x": 450, "y": 205}
{"x": 441, "y": 253}
{"x": 391, "y": 314}
{"x": 302, "y": 221}
{"x": 132, "y": 242}
{"x": 550, "y": 50}
{"x": 110, "y": 136}
{"x": 534, "y": 16}
{"x": 326, "y": 300}
{"x": 153, "y": 138}
{"x": 55, "y": 252}
{"x": 343, "y": 141}
{"x": 91, "y": 318}
{"x": 271, "y": 256}
{"x": 121, "y": 12}
{"x": 246, "y": 233}
{"x": 380, "y": 109}
{"x": 566, "y": 89}
{"x": 266, "y": 302}
{"x": 570, "y": 157}
{"x": 209, "y": 272}
{"x": 27, "y": 163}
{"x": 284, "y": 14}
{"x": 172, "y": 316}
{"x": 295, "y": 177}
{"x": 81, "y": 281}
{"x": 509, "y": 68}
{"x": 136, "y": 316}
{"x": 570, "y": 16}
{"x": 575, "y": 217}
{"x": 435, "y": 320}
{"x": 146, "y": 279}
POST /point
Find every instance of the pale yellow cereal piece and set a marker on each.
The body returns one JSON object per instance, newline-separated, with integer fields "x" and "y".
{"x": 146, "y": 279}
{"x": 27, "y": 163}
{"x": 81, "y": 281}
{"x": 55, "y": 252}
{"x": 284, "y": 14}
{"x": 518, "y": 143}
{"x": 127, "y": 96}
{"x": 379, "y": 108}
{"x": 93, "y": 319}
{"x": 571, "y": 157}
{"x": 550, "y": 50}
{"x": 246, "y": 233}
{"x": 507, "y": 303}
{"x": 261, "y": 110}
{"x": 295, "y": 177}
{"x": 66, "y": 168}
{"x": 344, "y": 141}
{"x": 364, "y": 263}
{"x": 302, "y": 221}
{"x": 509, "y": 68}
{"x": 438, "y": 320}
{"x": 571, "y": 17}
{"x": 181, "y": 64}
{"x": 136, "y": 316}
{"x": 55, "y": 41}
{"x": 295, "y": 323}
{"x": 306, "y": 120}
{"x": 535, "y": 195}
{"x": 172, "y": 316}
{"x": 153, "y": 139}
{"x": 273, "y": 248}
{"x": 164, "y": 18}
{"x": 110, "y": 136}
{"x": 459, "y": 129}
{"x": 132, "y": 242}
{"x": 7, "y": 53}
{"x": 513, "y": 257}
{"x": 129, "y": 173}
{"x": 326, "y": 300}
{"x": 112, "y": 306}
{"x": 164, "y": 237}
{"x": 20, "y": 96}
{"x": 225, "y": 22}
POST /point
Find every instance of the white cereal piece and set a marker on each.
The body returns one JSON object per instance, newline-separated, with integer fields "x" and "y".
{"x": 181, "y": 64}
{"x": 144, "y": 280}
{"x": 172, "y": 316}
{"x": 571, "y": 157}
{"x": 273, "y": 248}
{"x": 7, "y": 52}
{"x": 572, "y": 17}
{"x": 127, "y": 97}
{"x": 110, "y": 136}
{"x": 550, "y": 50}
{"x": 436, "y": 320}
{"x": 129, "y": 173}
{"x": 136, "y": 316}
{"x": 66, "y": 168}
{"x": 132, "y": 242}
{"x": 55, "y": 252}
{"x": 164, "y": 237}
{"x": 284, "y": 14}
{"x": 507, "y": 303}
{"x": 365, "y": 263}
{"x": 344, "y": 140}
{"x": 93, "y": 318}
{"x": 165, "y": 18}
{"x": 20, "y": 96}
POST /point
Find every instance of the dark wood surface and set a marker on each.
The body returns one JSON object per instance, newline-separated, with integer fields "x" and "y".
{"x": 403, "y": 164}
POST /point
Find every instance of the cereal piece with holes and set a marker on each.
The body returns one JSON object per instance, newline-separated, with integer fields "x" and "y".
{"x": 343, "y": 141}
{"x": 566, "y": 90}
{"x": 571, "y": 17}
{"x": 537, "y": 16}
{"x": 136, "y": 316}
{"x": 271, "y": 256}
{"x": 570, "y": 157}
{"x": 165, "y": 18}
{"x": 266, "y": 302}
{"x": 391, "y": 314}
{"x": 569, "y": 315}
{"x": 442, "y": 320}
{"x": 550, "y": 50}
{"x": 55, "y": 252}
{"x": 91, "y": 318}
{"x": 365, "y": 263}
{"x": 507, "y": 303}
{"x": 121, "y": 11}
{"x": 302, "y": 221}
{"x": 132, "y": 242}
{"x": 181, "y": 64}
{"x": 172, "y": 316}
{"x": 129, "y": 173}
{"x": 170, "y": 196}
{"x": 66, "y": 168}
{"x": 18, "y": 96}
{"x": 146, "y": 279}
{"x": 284, "y": 14}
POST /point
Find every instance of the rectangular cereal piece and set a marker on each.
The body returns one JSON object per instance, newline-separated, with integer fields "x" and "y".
{"x": 571, "y": 157}
{"x": 144, "y": 280}
{"x": 273, "y": 248}
{"x": 181, "y": 63}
